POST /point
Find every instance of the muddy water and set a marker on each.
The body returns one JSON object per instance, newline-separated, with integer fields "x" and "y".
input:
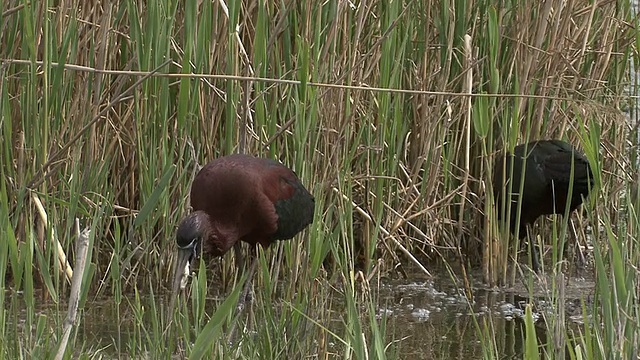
{"x": 426, "y": 318}
{"x": 437, "y": 321}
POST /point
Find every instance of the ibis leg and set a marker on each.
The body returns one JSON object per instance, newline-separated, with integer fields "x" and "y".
{"x": 577, "y": 252}
{"x": 237, "y": 252}
{"x": 535, "y": 256}
{"x": 533, "y": 252}
{"x": 245, "y": 295}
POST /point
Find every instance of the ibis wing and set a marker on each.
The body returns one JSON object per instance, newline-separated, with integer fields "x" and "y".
{"x": 560, "y": 167}
{"x": 293, "y": 204}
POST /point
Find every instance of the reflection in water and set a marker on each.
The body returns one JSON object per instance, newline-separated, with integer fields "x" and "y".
{"x": 424, "y": 320}
{"x": 437, "y": 321}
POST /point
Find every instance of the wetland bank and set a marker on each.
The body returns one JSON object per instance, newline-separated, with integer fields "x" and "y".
{"x": 389, "y": 112}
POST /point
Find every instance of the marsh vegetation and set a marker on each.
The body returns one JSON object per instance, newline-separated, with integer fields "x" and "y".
{"x": 390, "y": 112}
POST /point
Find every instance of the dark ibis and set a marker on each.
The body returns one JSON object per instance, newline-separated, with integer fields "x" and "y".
{"x": 554, "y": 172}
{"x": 240, "y": 198}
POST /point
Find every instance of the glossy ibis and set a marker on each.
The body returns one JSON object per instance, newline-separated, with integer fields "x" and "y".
{"x": 240, "y": 197}
{"x": 548, "y": 177}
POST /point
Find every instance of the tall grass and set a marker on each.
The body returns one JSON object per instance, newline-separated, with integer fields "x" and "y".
{"x": 362, "y": 99}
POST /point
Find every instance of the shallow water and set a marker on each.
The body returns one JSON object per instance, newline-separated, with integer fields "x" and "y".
{"x": 439, "y": 322}
{"x": 426, "y": 318}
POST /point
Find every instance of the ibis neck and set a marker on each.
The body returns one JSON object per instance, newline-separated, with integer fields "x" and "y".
{"x": 219, "y": 238}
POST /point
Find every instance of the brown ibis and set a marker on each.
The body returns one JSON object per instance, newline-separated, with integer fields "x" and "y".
{"x": 240, "y": 198}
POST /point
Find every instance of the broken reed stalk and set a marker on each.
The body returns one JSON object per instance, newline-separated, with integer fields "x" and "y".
{"x": 468, "y": 88}
{"x": 62, "y": 257}
{"x": 82, "y": 248}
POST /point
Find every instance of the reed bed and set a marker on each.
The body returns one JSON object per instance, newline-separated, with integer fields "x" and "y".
{"x": 107, "y": 111}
